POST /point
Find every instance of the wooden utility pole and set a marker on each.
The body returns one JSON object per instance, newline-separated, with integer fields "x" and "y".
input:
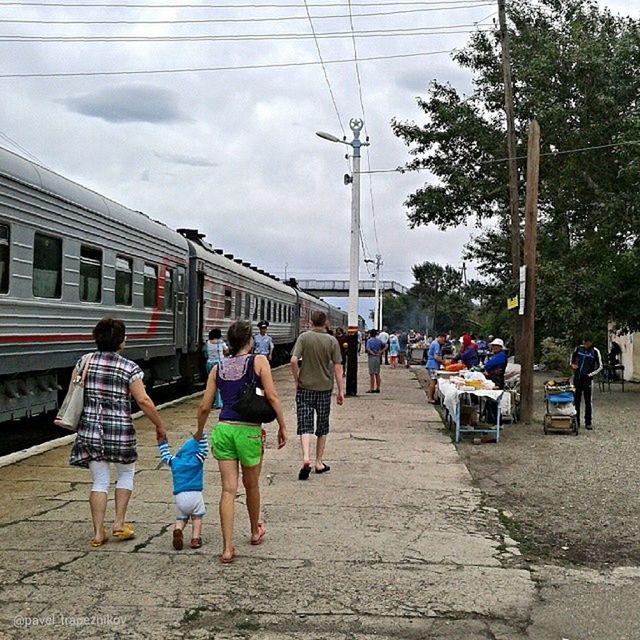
{"x": 511, "y": 154}
{"x": 530, "y": 243}
{"x": 511, "y": 141}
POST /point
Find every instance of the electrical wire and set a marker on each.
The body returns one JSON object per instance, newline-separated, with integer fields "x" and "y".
{"x": 371, "y": 33}
{"x": 324, "y": 68}
{"x": 275, "y": 65}
{"x": 542, "y": 155}
{"x": 26, "y": 152}
{"x": 111, "y": 5}
{"x": 474, "y": 4}
{"x": 364, "y": 116}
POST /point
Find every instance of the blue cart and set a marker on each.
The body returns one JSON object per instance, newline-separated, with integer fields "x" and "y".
{"x": 560, "y": 414}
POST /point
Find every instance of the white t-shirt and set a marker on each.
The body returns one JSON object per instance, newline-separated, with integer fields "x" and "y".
{"x": 383, "y": 336}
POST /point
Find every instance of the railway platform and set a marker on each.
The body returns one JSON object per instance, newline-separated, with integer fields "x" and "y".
{"x": 393, "y": 542}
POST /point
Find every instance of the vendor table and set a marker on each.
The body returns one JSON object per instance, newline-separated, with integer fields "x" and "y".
{"x": 451, "y": 397}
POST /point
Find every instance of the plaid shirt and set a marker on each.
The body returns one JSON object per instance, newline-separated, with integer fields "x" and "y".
{"x": 106, "y": 428}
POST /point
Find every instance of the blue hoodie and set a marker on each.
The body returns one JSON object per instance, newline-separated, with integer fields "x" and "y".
{"x": 187, "y": 466}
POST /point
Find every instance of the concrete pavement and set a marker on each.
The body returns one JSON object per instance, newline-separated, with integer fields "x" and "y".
{"x": 393, "y": 542}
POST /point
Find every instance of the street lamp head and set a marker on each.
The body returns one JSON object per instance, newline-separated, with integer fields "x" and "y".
{"x": 327, "y": 136}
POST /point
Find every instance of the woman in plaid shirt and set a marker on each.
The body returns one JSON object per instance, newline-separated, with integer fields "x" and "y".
{"x": 106, "y": 432}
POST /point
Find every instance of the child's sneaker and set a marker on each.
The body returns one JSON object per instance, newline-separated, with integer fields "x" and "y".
{"x": 177, "y": 539}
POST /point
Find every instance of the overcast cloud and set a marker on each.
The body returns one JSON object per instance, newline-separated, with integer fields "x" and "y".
{"x": 233, "y": 153}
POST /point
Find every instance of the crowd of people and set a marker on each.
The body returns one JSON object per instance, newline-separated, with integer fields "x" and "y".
{"x": 106, "y": 432}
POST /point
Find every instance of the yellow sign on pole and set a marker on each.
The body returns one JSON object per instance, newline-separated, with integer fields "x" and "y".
{"x": 512, "y": 303}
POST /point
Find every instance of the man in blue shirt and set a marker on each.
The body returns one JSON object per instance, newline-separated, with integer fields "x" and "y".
{"x": 263, "y": 343}
{"x": 434, "y": 360}
{"x": 494, "y": 369}
{"x": 375, "y": 349}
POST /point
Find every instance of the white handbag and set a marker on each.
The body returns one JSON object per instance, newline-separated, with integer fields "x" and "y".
{"x": 72, "y": 407}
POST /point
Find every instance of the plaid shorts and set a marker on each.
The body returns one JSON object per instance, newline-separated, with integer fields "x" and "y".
{"x": 308, "y": 401}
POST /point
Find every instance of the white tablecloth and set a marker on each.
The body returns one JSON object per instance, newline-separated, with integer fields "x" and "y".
{"x": 451, "y": 395}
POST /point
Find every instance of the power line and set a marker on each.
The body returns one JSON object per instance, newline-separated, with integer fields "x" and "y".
{"x": 22, "y": 149}
{"x": 474, "y": 4}
{"x": 372, "y": 33}
{"x": 110, "y": 5}
{"x": 78, "y": 74}
{"x": 546, "y": 154}
{"x": 364, "y": 115}
{"x": 324, "y": 68}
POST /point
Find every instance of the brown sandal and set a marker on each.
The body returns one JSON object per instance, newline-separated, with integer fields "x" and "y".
{"x": 178, "y": 539}
{"x": 196, "y": 543}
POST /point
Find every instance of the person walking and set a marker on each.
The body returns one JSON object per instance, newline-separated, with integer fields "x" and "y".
{"x": 234, "y": 441}
{"x": 383, "y": 336}
{"x": 216, "y": 349}
{"x": 394, "y": 349}
{"x": 434, "y": 360}
{"x": 586, "y": 363}
{"x": 403, "y": 343}
{"x": 375, "y": 349}
{"x": 106, "y": 433}
{"x": 321, "y": 357}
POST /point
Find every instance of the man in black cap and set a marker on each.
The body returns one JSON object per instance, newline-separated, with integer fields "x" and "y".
{"x": 263, "y": 343}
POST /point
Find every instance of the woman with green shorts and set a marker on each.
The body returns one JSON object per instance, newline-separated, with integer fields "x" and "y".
{"x": 234, "y": 442}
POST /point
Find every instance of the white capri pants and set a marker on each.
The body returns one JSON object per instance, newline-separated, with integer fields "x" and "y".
{"x": 102, "y": 477}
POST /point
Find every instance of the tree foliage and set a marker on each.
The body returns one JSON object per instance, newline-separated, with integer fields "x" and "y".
{"x": 575, "y": 69}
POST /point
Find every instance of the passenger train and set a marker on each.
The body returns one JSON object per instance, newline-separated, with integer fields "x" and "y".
{"x": 69, "y": 256}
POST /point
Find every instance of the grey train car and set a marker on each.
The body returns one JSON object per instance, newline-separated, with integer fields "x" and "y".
{"x": 223, "y": 288}
{"x": 69, "y": 256}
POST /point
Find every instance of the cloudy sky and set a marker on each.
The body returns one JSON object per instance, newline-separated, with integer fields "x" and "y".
{"x": 233, "y": 152}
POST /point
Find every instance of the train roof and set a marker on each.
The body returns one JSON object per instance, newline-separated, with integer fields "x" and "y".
{"x": 230, "y": 263}
{"x": 19, "y": 169}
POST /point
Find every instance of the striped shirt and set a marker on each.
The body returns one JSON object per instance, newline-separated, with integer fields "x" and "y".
{"x": 187, "y": 464}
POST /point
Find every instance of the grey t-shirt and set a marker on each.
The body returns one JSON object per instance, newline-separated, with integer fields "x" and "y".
{"x": 319, "y": 352}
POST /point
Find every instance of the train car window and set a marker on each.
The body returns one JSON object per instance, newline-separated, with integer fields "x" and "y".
{"x": 4, "y": 258}
{"x": 280, "y": 312}
{"x": 168, "y": 289}
{"x": 150, "y": 285}
{"x": 47, "y": 266}
{"x": 90, "y": 274}
{"x": 238, "y": 304}
{"x": 254, "y": 306}
{"x": 227, "y": 303}
{"x": 124, "y": 280}
{"x": 269, "y": 318}
{"x": 262, "y": 309}
{"x": 247, "y": 305}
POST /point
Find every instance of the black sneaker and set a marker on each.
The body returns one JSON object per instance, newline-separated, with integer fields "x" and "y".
{"x": 588, "y": 426}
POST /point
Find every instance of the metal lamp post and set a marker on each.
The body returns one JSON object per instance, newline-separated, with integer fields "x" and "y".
{"x": 356, "y": 125}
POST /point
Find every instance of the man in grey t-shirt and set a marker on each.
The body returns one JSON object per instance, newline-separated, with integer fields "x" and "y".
{"x": 322, "y": 363}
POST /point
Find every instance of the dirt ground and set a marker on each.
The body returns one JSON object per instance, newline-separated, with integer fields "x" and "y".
{"x": 567, "y": 499}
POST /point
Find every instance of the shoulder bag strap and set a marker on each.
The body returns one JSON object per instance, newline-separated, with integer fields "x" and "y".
{"x": 85, "y": 369}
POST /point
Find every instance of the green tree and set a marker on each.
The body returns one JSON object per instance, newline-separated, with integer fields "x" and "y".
{"x": 442, "y": 292}
{"x": 575, "y": 69}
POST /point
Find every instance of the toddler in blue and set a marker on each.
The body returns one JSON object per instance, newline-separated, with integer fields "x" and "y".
{"x": 187, "y": 469}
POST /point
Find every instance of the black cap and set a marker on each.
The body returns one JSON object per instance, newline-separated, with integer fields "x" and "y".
{"x": 262, "y": 323}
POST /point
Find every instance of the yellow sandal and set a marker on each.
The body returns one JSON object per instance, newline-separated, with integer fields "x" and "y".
{"x": 126, "y": 533}
{"x": 98, "y": 543}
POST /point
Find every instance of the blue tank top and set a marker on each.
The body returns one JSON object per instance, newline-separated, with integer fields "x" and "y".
{"x": 232, "y": 375}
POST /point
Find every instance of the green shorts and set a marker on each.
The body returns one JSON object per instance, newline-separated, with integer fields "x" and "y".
{"x": 241, "y": 442}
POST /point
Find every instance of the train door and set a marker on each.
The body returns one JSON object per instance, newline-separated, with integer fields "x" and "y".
{"x": 180, "y": 306}
{"x": 200, "y": 313}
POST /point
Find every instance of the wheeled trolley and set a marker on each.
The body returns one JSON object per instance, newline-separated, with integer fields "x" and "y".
{"x": 560, "y": 412}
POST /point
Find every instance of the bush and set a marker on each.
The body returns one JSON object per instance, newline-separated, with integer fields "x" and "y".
{"x": 555, "y": 355}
